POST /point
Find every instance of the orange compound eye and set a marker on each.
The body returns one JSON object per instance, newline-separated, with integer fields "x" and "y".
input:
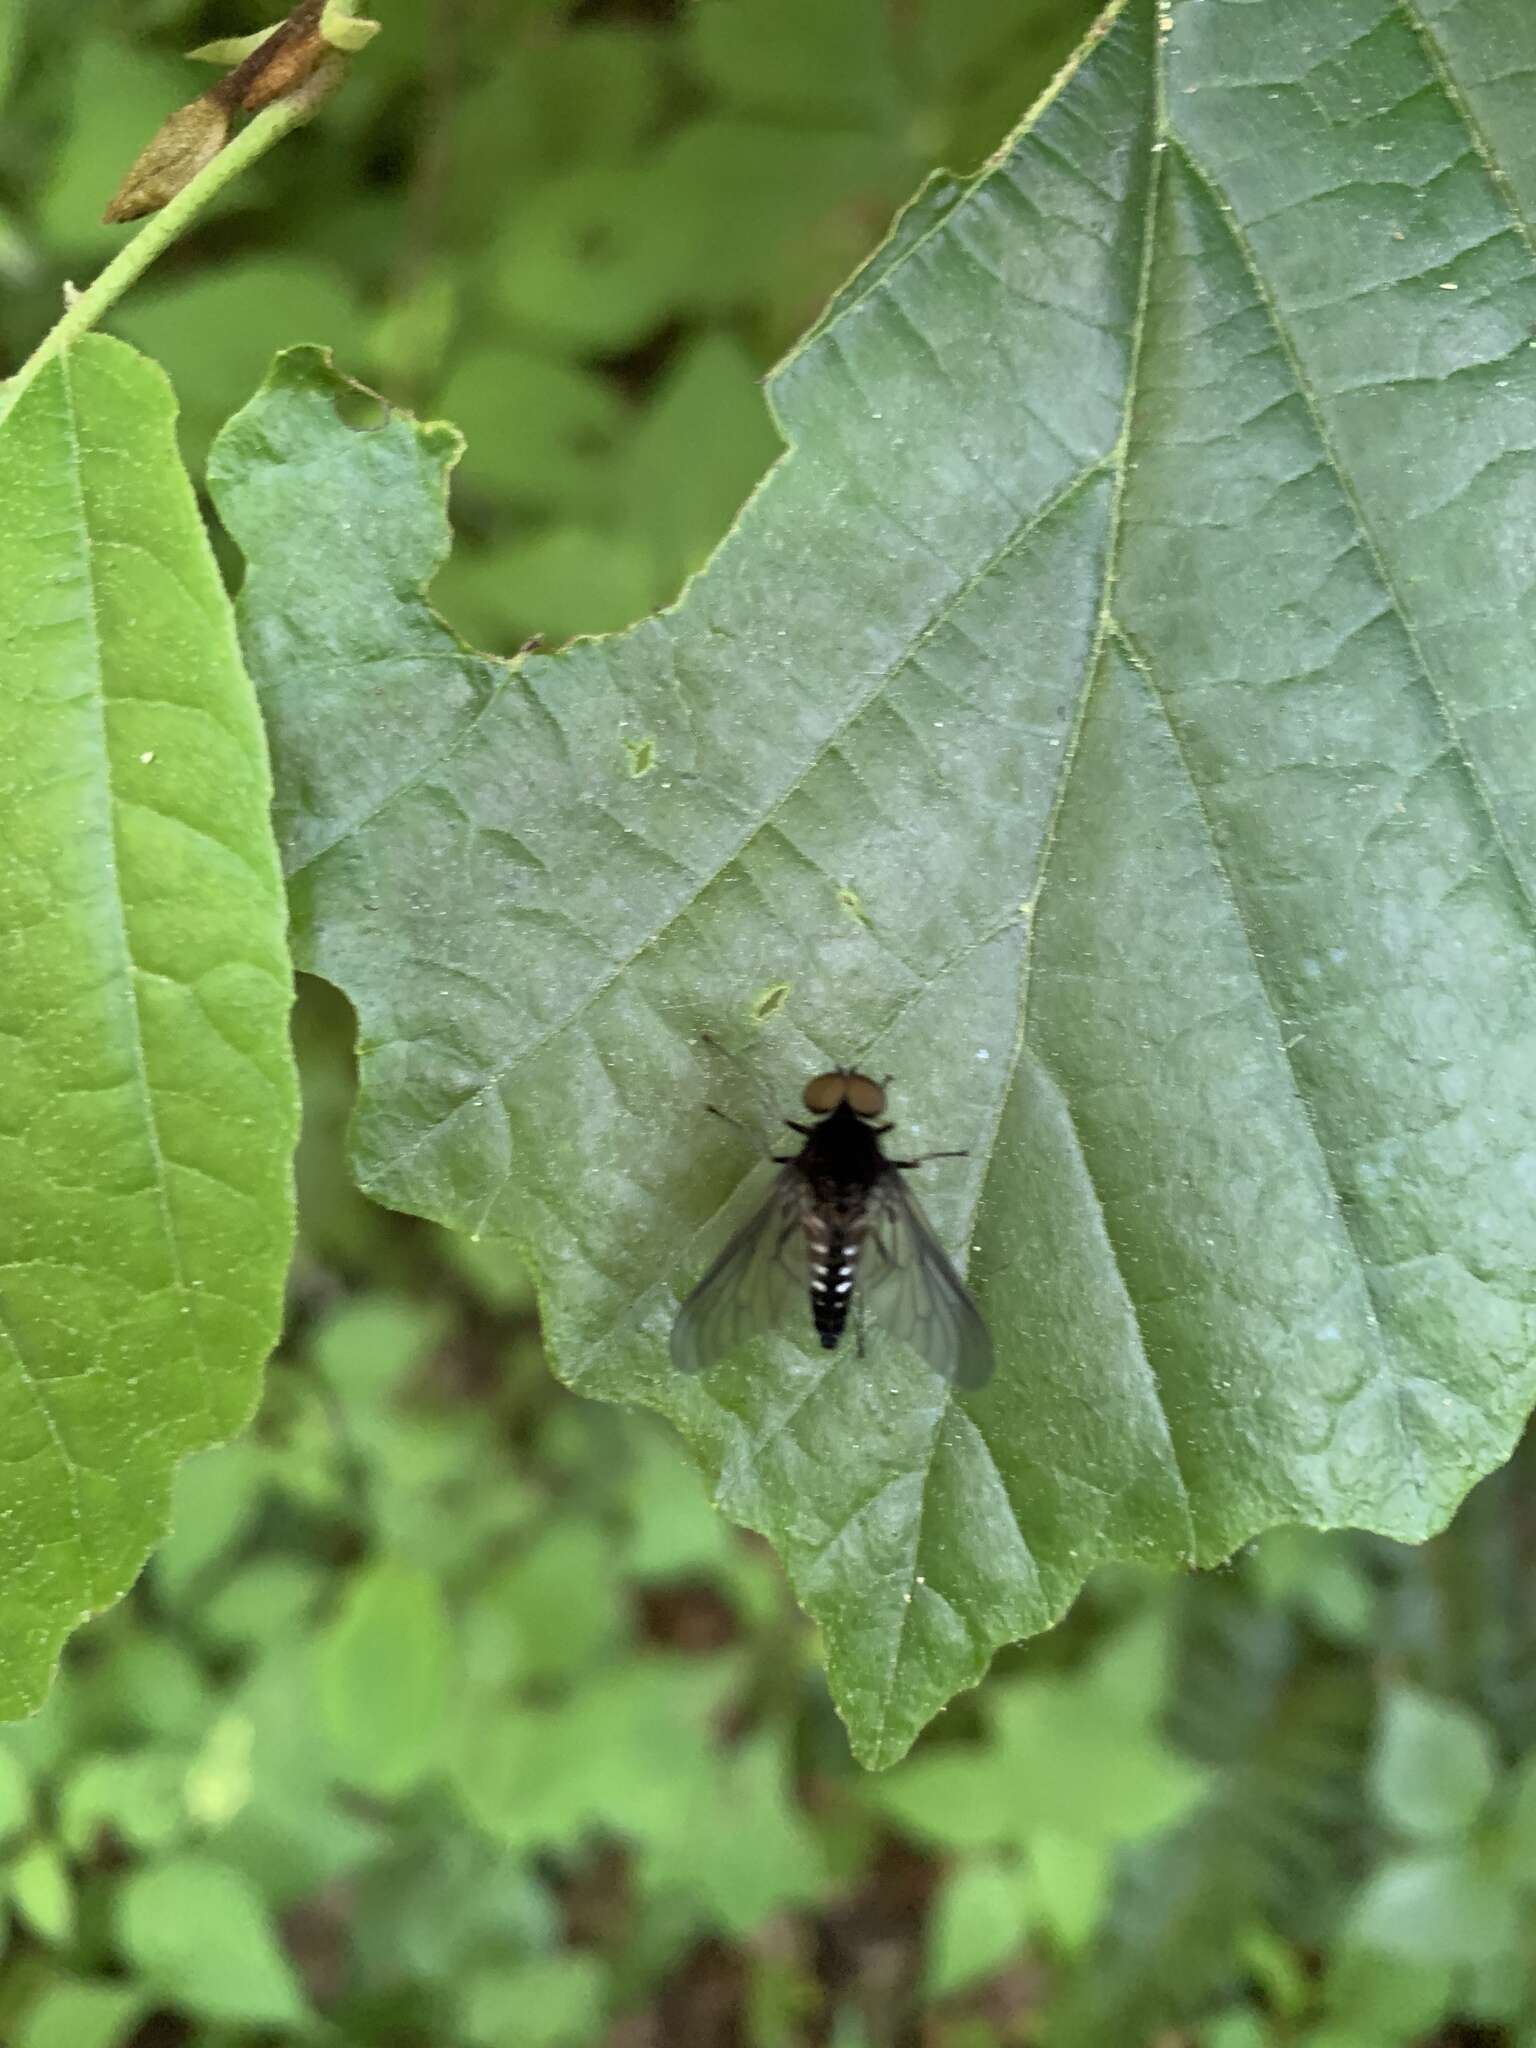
{"x": 863, "y": 1096}
{"x": 825, "y": 1093}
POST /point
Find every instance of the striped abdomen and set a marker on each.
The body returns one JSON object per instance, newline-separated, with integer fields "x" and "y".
{"x": 833, "y": 1256}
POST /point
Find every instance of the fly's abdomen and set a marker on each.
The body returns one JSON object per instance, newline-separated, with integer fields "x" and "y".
{"x": 834, "y": 1257}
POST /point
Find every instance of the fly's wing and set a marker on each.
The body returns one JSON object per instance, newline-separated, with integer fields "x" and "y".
{"x": 754, "y": 1283}
{"x": 907, "y": 1281}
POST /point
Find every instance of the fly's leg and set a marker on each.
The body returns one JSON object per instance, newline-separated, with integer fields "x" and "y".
{"x": 907, "y": 1165}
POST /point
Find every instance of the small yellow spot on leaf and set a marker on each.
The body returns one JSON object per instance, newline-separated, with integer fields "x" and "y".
{"x": 771, "y": 1001}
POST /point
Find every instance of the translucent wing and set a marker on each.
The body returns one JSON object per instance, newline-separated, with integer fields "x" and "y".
{"x": 907, "y": 1282}
{"x": 753, "y": 1285}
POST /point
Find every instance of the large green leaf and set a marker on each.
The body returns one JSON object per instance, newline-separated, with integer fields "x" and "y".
{"x": 1113, "y": 717}
{"x": 147, "y": 1102}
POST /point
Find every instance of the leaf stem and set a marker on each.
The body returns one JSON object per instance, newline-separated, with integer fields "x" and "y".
{"x": 163, "y": 228}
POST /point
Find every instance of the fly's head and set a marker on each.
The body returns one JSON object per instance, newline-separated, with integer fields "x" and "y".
{"x": 844, "y": 1089}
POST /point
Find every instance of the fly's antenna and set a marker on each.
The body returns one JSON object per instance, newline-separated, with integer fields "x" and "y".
{"x": 713, "y": 1109}
{"x": 770, "y": 1117}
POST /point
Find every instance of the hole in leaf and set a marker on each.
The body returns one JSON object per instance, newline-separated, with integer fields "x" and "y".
{"x": 359, "y": 408}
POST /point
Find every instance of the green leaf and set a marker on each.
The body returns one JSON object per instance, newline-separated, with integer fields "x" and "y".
{"x": 364, "y": 1351}
{"x": 344, "y": 28}
{"x": 15, "y": 1795}
{"x": 1281, "y": 1977}
{"x": 39, "y": 1885}
{"x": 749, "y": 206}
{"x": 1519, "y": 1831}
{"x": 981, "y": 1919}
{"x": 384, "y": 1671}
{"x": 1072, "y": 1877}
{"x": 121, "y": 94}
{"x": 1111, "y": 1778}
{"x": 80, "y": 2014}
{"x": 1444, "y": 1906}
{"x": 810, "y": 63}
{"x": 199, "y": 1935}
{"x": 266, "y": 1780}
{"x": 1496, "y": 1988}
{"x": 492, "y": 1271}
{"x": 589, "y": 262}
{"x": 1433, "y": 1766}
{"x": 231, "y": 50}
{"x": 215, "y": 330}
{"x": 559, "y": 1603}
{"x": 1320, "y": 1577}
{"x": 1111, "y": 718}
{"x": 594, "y": 94}
{"x": 1237, "y": 2030}
{"x": 262, "y": 1602}
{"x": 139, "y": 1797}
{"x": 550, "y": 2002}
{"x": 566, "y": 580}
{"x": 147, "y": 1100}
{"x": 11, "y": 25}
{"x": 146, "y": 1686}
{"x": 740, "y": 1875}
{"x": 217, "y": 1784}
{"x": 673, "y": 1529}
{"x": 436, "y": 1907}
{"x": 212, "y": 1503}
{"x": 1386, "y": 2000}
{"x": 623, "y": 1755}
{"x": 703, "y": 443}
{"x": 540, "y": 432}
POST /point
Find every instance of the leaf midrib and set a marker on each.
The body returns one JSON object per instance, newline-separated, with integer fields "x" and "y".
{"x": 1118, "y": 463}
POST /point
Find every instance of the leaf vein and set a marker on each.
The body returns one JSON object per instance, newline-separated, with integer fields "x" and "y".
{"x": 1348, "y": 1234}
{"x": 1450, "y": 85}
{"x": 1016, "y": 539}
{"x": 1479, "y": 788}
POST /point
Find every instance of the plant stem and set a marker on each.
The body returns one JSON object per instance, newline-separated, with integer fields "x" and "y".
{"x": 163, "y": 228}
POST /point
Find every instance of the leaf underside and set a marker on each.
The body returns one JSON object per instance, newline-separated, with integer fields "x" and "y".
{"x": 1113, "y": 719}
{"x": 148, "y": 1107}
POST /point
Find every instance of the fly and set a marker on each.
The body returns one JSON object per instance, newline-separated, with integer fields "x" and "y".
{"x": 838, "y": 1226}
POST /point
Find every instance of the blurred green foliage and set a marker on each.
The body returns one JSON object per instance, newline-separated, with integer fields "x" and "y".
{"x": 451, "y": 1713}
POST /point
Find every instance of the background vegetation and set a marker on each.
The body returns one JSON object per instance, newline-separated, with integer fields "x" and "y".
{"x": 451, "y": 1713}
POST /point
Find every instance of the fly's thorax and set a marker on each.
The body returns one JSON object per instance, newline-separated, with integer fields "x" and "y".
{"x": 841, "y": 1153}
